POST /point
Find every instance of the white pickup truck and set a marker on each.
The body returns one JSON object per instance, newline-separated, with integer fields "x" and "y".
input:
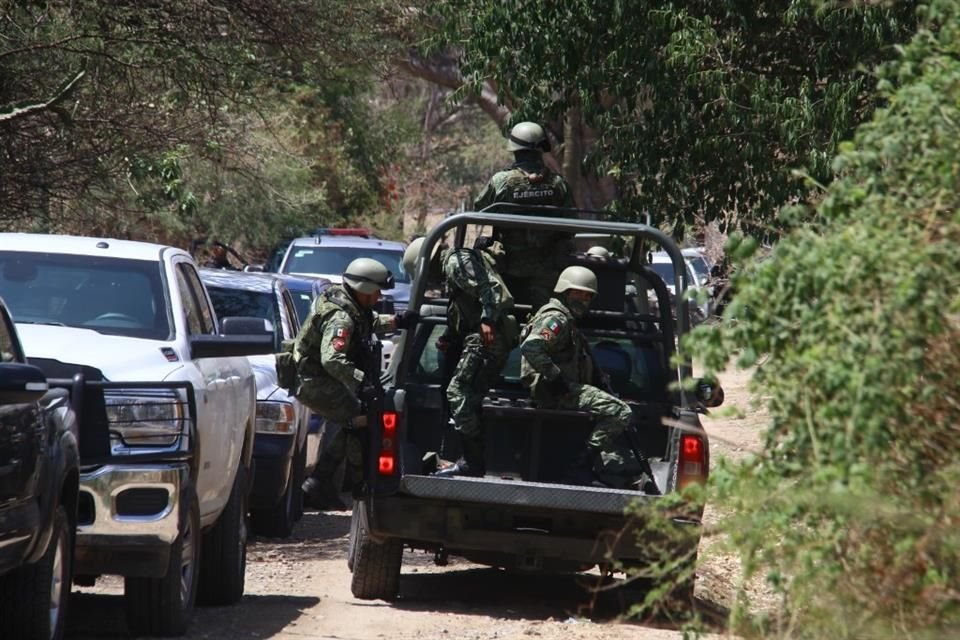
{"x": 167, "y": 417}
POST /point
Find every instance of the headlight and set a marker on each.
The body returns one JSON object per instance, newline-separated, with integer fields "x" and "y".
{"x": 146, "y": 419}
{"x": 275, "y": 417}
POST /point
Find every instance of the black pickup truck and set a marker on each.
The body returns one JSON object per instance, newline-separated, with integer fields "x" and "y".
{"x": 521, "y": 515}
{"x": 38, "y": 495}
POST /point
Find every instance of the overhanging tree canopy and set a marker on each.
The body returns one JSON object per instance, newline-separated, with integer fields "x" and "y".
{"x": 700, "y": 108}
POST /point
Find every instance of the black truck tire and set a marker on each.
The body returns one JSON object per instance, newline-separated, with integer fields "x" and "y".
{"x": 223, "y": 561}
{"x": 164, "y": 606}
{"x": 34, "y": 597}
{"x": 354, "y": 533}
{"x": 277, "y": 521}
{"x": 376, "y": 566}
{"x": 299, "y": 475}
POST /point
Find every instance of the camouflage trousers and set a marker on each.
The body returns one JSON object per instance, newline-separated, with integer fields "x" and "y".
{"x": 346, "y": 446}
{"x": 329, "y": 399}
{"x": 335, "y": 403}
{"x": 615, "y": 461}
{"x": 477, "y": 371}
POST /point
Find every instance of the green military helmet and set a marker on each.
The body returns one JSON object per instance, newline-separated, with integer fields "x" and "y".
{"x": 599, "y": 251}
{"x": 576, "y": 277}
{"x": 366, "y": 275}
{"x": 412, "y": 252}
{"x": 528, "y": 136}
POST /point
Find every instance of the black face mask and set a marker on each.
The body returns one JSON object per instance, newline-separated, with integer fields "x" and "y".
{"x": 578, "y": 308}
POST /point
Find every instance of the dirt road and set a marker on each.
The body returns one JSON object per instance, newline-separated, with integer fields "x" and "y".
{"x": 300, "y": 588}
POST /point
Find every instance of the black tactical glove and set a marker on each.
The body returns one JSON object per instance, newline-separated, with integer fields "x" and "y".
{"x": 558, "y": 386}
{"x": 406, "y": 320}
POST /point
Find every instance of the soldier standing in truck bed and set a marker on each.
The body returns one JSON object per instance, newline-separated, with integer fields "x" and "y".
{"x": 532, "y": 259}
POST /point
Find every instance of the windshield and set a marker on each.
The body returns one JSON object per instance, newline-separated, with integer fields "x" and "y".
{"x": 237, "y": 302}
{"x": 334, "y": 260}
{"x": 699, "y": 266}
{"x": 665, "y": 271}
{"x": 112, "y": 296}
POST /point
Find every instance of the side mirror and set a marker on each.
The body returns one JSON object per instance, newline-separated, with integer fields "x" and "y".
{"x": 709, "y": 393}
{"x": 239, "y": 336}
{"x": 21, "y": 383}
{"x": 715, "y": 271}
{"x": 255, "y": 268}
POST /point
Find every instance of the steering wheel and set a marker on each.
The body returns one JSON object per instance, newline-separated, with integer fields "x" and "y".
{"x": 116, "y": 316}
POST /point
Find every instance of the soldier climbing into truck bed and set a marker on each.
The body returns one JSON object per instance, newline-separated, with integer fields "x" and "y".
{"x": 481, "y": 328}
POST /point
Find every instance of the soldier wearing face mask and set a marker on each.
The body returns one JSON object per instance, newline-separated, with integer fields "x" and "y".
{"x": 559, "y": 369}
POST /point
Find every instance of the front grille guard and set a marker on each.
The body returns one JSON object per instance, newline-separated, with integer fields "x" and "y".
{"x": 97, "y": 431}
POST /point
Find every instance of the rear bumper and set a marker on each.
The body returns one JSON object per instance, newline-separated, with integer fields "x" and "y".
{"x": 540, "y": 524}
{"x": 129, "y": 518}
{"x": 273, "y": 455}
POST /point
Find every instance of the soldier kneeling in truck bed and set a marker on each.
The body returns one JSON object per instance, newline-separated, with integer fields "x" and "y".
{"x": 561, "y": 373}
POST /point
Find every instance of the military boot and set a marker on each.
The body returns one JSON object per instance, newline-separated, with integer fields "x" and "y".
{"x": 470, "y": 463}
{"x": 321, "y": 494}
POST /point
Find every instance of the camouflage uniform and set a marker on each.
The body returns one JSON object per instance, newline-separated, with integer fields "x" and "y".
{"x": 532, "y": 259}
{"x": 476, "y": 293}
{"x": 327, "y": 350}
{"x": 553, "y": 346}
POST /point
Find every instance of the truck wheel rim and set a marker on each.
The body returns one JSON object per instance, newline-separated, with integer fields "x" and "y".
{"x": 186, "y": 563}
{"x": 56, "y": 582}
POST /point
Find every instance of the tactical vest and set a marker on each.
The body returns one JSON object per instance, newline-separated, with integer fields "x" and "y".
{"x": 573, "y": 360}
{"x": 528, "y": 250}
{"x": 309, "y": 343}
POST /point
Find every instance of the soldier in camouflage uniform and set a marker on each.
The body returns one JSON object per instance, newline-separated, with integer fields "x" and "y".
{"x": 532, "y": 258}
{"x": 558, "y": 368}
{"x": 328, "y": 352}
{"x": 479, "y": 320}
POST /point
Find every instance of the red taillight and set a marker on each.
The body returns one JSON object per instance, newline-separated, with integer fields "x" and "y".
{"x": 387, "y": 463}
{"x": 692, "y": 465}
{"x": 389, "y": 420}
{"x": 692, "y": 447}
{"x": 387, "y": 460}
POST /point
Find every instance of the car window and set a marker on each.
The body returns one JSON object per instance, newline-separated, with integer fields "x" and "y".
{"x": 113, "y": 296}
{"x": 190, "y": 307}
{"x": 291, "y": 312}
{"x": 258, "y": 304}
{"x": 334, "y": 260}
{"x": 636, "y": 368}
{"x": 207, "y": 322}
{"x": 430, "y": 363}
{"x": 665, "y": 271}
{"x": 302, "y": 300}
{"x": 8, "y": 349}
{"x": 699, "y": 266}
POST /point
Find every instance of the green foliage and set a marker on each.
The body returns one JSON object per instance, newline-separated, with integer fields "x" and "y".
{"x": 702, "y": 108}
{"x": 190, "y": 116}
{"x": 852, "y": 511}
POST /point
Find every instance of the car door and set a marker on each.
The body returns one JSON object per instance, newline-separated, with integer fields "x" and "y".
{"x": 215, "y": 384}
{"x": 21, "y": 429}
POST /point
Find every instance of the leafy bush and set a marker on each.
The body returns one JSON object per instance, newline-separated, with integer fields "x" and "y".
{"x": 852, "y": 510}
